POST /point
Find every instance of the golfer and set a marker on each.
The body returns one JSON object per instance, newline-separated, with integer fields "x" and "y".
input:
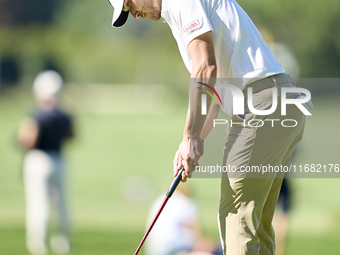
{"x": 42, "y": 135}
{"x": 218, "y": 40}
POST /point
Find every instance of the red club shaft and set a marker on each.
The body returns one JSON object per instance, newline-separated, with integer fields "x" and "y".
{"x": 168, "y": 195}
{"x": 152, "y": 224}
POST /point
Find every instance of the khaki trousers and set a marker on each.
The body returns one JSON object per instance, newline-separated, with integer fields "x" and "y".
{"x": 248, "y": 199}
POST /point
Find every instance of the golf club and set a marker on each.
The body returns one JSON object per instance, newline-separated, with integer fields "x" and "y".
{"x": 171, "y": 190}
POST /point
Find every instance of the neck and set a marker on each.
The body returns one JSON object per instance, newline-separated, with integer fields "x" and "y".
{"x": 47, "y": 103}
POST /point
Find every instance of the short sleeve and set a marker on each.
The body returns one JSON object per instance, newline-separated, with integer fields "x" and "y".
{"x": 192, "y": 18}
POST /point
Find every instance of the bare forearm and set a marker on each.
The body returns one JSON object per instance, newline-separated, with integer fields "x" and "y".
{"x": 191, "y": 148}
{"x": 209, "y": 121}
{"x": 204, "y": 71}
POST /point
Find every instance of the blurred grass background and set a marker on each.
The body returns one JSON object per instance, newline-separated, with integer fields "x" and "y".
{"x": 119, "y": 155}
{"x": 127, "y": 89}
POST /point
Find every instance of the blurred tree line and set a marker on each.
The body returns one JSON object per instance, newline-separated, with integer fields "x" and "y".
{"x": 76, "y": 38}
{"x": 310, "y": 28}
{"x": 23, "y": 12}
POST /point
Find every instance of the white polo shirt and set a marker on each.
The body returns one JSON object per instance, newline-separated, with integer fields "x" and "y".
{"x": 240, "y": 50}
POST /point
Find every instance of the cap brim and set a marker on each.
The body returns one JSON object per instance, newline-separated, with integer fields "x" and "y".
{"x": 119, "y": 16}
{"x": 120, "y": 21}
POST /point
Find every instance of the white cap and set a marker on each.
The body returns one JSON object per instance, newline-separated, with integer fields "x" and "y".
{"x": 119, "y": 16}
{"x": 47, "y": 84}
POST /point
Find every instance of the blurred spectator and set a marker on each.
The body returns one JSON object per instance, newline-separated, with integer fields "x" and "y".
{"x": 42, "y": 136}
{"x": 177, "y": 230}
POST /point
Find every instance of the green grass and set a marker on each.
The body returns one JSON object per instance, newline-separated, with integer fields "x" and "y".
{"x": 124, "y": 242}
{"x": 85, "y": 242}
{"x": 116, "y": 148}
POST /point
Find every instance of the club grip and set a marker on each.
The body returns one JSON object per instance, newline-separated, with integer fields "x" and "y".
{"x": 175, "y": 183}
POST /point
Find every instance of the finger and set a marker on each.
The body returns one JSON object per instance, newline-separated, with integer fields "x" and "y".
{"x": 188, "y": 173}
{"x": 174, "y": 169}
{"x": 184, "y": 176}
{"x": 179, "y": 162}
{"x": 176, "y": 163}
{"x": 186, "y": 166}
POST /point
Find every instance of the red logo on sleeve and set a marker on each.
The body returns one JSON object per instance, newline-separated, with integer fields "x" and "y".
{"x": 191, "y": 27}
